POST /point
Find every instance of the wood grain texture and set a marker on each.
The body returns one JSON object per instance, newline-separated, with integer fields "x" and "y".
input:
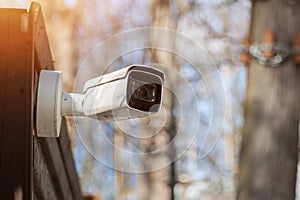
{"x": 16, "y": 105}
{"x": 43, "y": 185}
{"x": 29, "y": 167}
{"x": 269, "y": 154}
{"x": 64, "y": 143}
{"x": 43, "y": 55}
{"x": 56, "y": 152}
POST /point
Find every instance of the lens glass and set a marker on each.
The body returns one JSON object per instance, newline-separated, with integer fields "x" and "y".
{"x": 144, "y": 91}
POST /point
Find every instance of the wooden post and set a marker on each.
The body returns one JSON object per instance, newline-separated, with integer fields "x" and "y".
{"x": 269, "y": 154}
{"x": 30, "y": 167}
{"x": 16, "y": 104}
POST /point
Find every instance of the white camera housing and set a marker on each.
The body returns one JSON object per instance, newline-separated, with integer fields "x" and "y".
{"x": 131, "y": 92}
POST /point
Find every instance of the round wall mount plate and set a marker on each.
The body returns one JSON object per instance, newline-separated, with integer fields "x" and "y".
{"x": 48, "y": 116}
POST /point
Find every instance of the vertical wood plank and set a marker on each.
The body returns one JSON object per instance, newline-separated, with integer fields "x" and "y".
{"x": 56, "y": 151}
{"x": 16, "y": 69}
{"x": 3, "y": 65}
{"x": 41, "y": 43}
{"x": 66, "y": 152}
{"x": 24, "y": 51}
{"x": 44, "y": 188}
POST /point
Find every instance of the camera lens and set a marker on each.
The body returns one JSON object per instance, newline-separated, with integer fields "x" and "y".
{"x": 143, "y": 92}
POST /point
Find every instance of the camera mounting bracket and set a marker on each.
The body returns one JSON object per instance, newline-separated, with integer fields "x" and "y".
{"x": 48, "y": 115}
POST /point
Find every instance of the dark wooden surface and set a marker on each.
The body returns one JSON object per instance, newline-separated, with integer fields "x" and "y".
{"x": 65, "y": 149}
{"x": 43, "y": 54}
{"x": 269, "y": 153}
{"x": 44, "y": 186}
{"x": 16, "y": 105}
{"x": 30, "y": 167}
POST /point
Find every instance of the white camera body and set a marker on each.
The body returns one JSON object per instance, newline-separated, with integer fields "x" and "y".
{"x": 131, "y": 92}
{"x": 134, "y": 91}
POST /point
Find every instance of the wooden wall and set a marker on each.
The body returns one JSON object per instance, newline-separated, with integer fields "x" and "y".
{"x": 30, "y": 167}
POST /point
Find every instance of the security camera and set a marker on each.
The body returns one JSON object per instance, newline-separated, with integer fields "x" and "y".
{"x": 131, "y": 92}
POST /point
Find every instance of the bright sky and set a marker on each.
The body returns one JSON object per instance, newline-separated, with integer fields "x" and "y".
{"x": 14, "y": 3}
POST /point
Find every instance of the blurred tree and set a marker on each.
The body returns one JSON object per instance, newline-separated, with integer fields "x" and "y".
{"x": 269, "y": 154}
{"x": 160, "y": 10}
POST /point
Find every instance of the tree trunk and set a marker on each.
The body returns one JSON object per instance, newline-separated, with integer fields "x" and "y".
{"x": 269, "y": 154}
{"x": 162, "y": 18}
